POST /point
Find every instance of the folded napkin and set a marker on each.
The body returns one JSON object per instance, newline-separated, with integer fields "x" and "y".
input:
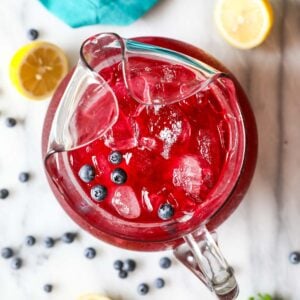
{"x": 77, "y": 13}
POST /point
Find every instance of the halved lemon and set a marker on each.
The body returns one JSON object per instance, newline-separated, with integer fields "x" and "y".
{"x": 93, "y": 297}
{"x": 244, "y": 24}
{"x": 37, "y": 68}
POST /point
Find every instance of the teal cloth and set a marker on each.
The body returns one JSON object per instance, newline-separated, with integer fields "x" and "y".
{"x": 77, "y": 13}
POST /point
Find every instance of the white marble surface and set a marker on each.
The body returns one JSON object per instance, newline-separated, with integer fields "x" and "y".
{"x": 259, "y": 235}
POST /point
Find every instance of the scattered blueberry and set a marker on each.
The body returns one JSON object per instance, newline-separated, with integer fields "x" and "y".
{"x": 90, "y": 253}
{"x": 115, "y": 157}
{"x": 129, "y": 265}
{"x": 118, "y": 176}
{"x": 4, "y": 193}
{"x": 32, "y": 34}
{"x": 123, "y": 274}
{"x": 166, "y": 211}
{"x": 49, "y": 242}
{"x": 68, "y": 237}
{"x": 294, "y": 257}
{"x": 143, "y": 289}
{"x": 165, "y": 262}
{"x": 118, "y": 265}
{"x": 159, "y": 283}
{"x": 16, "y": 263}
{"x": 86, "y": 173}
{"x": 30, "y": 240}
{"x": 7, "y": 252}
{"x": 98, "y": 192}
{"x": 24, "y": 176}
{"x": 48, "y": 288}
{"x": 10, "y": 122}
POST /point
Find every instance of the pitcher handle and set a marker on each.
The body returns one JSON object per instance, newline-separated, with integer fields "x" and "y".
{"x": 201, "y": 255}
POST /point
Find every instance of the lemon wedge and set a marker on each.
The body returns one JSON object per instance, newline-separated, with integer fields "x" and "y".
{"x": 93, "y": 297}
{"x": 37, "y": 68}
{"x": 244, "y": 24}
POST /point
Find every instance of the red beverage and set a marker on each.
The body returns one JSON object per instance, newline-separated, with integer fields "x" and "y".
{"x": 196, "y": 156}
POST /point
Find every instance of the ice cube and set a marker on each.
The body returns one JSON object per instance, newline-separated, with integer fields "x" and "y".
{"x": 205, "y": 142}
{"x": 188, "y": 175}
{"x": 125, "y": 202}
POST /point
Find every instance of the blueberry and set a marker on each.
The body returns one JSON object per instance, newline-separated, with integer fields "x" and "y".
{"x": 123, "y": 274}
{"x": 48, "y": 288}
{"x": 32, "y": 34}
{"x": 10, "y": 122}
{"x": 90, "y": 253}
{"x": 24, "y": 177}
{"x": 294, "y": 257}
{"x": 118, "y": 176}
{"x": 7, "y": 252}
{"x": 86, "y": 173}
{"x": 30, "y": 240}
{"x": 16, "y": 263}
{"x": 68, "y": 237}
{"x": 159, "y": 283}
{"x": 118, "y": 265}
{"x": 49, "y": 242}
{"x": 165, "y": 262}
{"x": 166, "y": 211}
{"x": 98, "y": 192}
{"x": 143, "y": 288}
{"x": 129, "y": 265}
{"x": 115, "y": 157}
{"x": 4, "y": 193}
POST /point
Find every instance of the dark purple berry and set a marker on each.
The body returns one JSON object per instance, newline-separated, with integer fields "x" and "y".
{"x": 294, "y": 257}
{"x": 159, "y": 283}
{"x": 123, "y": 274}
{"x": 166, "y": 211}
{"x": 129, "y": 265}
{"x": 32, "y": 34}
{"x": 165, "y": 262}
{"x": 10, "y": 122}
{"x": 68, "y": 237}
{"x": 143, "y": 289}
{"x": 49, "y": 242}
{"x": 115, "y": 157}
{"x": 90, "y": 253}
{"x": 98, "y": 192}
{"x": 4, "y": 193}
{"x": 118, "y": 265}
{"x": 86, "y": 173}
{"x": 16, "y": 263}
{"x": 118, "y": 176}
{"x": 30, "y": 240}
{"x": 24, "y": 177}
{"x": 7, "y": 252}
{"x": 48, "y": 288}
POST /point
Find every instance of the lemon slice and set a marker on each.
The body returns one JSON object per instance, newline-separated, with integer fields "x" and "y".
{"x": 244, "y": 23}
{"x": 93, "y": 297}
{"x": 37, "y": 68}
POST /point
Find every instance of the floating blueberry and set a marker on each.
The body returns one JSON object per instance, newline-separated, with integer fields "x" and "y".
{"x": 86, "y": 173}
{"x": 118, "y": 176}
{"x": 129, "y": 265}
{"x": 48, "y": 288}
{"x": 10, "y": 122}
{"x": 159, "y": 283}
{"x": 30, "y": 240}
{"x": 143, "y": 288}
{"x": 115, "y": 157}
{"x": 90, "y": 253}
{"x": 123, "y": 274}
{"x": 68, "y": 237}
{"x": 98, "y": 192}
{"x": 4, "y": 193}
{"x": 49, "y": 242}
{"x": 294, "y": 257}
{"x": 118, "y": 265}
{"x": 166, "y": 211}
{"x": 24, "y": 176}
{"x": 16, "y": 263}
{"x": 165, "y": 262}
{"x": 32, "y": 34}
{"x": 7, "y": 252}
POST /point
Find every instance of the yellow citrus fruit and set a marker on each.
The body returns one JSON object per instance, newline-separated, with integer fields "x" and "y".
{"x": 244, "y": 23}
{"x": 92, "y": 297}
{"x": 37, "y": 68}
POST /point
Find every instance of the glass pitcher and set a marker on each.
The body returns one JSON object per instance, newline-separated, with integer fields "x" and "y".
{"x": 149, "y": 144}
